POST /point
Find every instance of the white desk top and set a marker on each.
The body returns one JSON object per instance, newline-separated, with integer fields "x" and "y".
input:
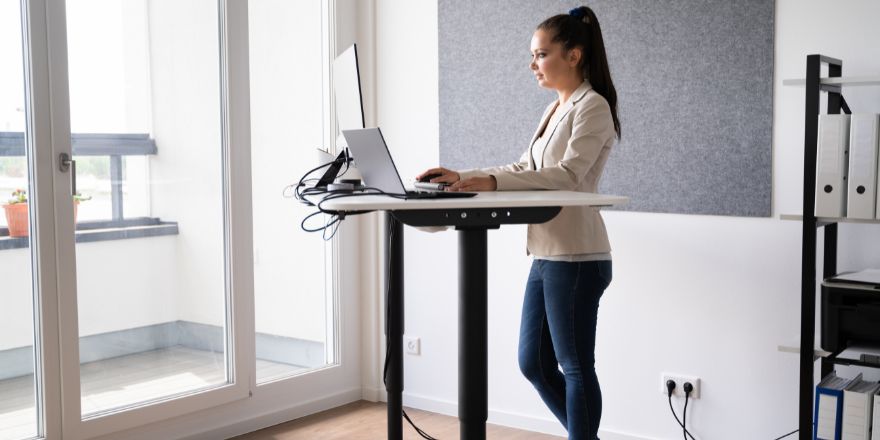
{"x": 490, "y": 199}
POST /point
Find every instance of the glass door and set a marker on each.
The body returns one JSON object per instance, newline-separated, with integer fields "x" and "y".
{"x": 146, "y": 130}
{"x": 147, "y": 275}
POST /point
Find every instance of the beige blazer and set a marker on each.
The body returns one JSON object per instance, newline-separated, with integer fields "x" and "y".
{"x": 573, "y": 160}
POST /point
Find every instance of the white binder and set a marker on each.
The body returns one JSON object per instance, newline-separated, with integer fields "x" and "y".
{"x": 831, "y": 165}
{"x": 858, "y": 406}
{"x": 876, "y": 429}
{"x": 862, "y": 179}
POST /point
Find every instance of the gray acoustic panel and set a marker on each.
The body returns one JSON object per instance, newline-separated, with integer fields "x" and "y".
{"x": 694, "y": 84}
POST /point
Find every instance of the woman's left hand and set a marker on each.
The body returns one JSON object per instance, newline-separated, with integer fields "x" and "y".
{"x": 475, "y": 184}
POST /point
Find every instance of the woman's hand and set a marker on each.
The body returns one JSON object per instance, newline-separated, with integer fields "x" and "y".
{"x": 475, "y": 184}
{"x": 442, "y": 175}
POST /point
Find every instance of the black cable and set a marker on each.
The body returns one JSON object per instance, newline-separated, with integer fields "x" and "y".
{"x": 301, "y": 190}
{"x": 684, "y": 416}
{"x": 418, "y": 430}
{"x": 300, "y": 193}
{"x": 367, "y": 191}
{"x": 676, "y": 417}
{"x": 348, "y": 160}
{"x": 688, "y": 389}
{"x": 388, "y": 306}
{"x": 334, "y": 221}
{"x": 303, "y": 223}
{"x": 682, "y": 423}
{"x": 305, "y": 176}
{"x": 786, "y": 435}
{"x": 424, "y": 434}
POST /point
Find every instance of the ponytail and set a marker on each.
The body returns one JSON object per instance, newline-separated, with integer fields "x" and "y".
{"x": 580, "y": 28}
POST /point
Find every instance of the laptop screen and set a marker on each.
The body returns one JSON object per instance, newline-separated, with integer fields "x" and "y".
{"x": 373, "y": 160}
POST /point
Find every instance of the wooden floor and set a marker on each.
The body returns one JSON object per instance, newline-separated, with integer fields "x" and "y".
{"x": 366, "y": 421}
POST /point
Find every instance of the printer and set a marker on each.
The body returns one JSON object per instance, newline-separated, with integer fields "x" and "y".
{"x": 850, "y": 310}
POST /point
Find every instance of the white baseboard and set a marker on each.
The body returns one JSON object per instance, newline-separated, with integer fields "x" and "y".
{"x": 238, "y": 427}
{"x": 510, "y": 419}
{"x": 371, "y": 394}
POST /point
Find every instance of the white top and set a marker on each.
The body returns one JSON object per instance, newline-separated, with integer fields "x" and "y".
{"x": 538, "y": 150}
{"x": 577, "y": 258}
{"x": 540, "y": 143}
{"x": 489, "y": 199}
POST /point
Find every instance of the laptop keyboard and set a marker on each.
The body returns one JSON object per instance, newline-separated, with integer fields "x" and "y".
{"x": 438, "y": 194}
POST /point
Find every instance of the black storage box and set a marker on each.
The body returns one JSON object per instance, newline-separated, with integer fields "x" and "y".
{"x": 850, "y": 315}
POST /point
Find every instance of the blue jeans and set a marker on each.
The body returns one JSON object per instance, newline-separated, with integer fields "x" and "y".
{"x": 558, "y": 328}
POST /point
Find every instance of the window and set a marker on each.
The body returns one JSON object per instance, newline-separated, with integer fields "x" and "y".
{"x": 19, "y": 401}
{"x": 294, "y": 306}
{"x": 111, "y": 119}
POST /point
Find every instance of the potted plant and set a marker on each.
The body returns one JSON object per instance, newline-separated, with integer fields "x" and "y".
{"x": 17, "y": 212}
{"x": 78, "y": 197}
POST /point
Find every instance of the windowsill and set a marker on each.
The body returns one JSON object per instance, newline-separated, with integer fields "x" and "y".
{"x": 92, "y": 231}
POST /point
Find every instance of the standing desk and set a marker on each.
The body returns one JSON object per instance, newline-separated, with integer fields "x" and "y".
{"x": 472, "y": 217}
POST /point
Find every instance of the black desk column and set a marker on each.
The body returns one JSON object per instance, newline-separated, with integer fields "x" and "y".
{"x": 473, "y": 384}
{"x": 394, "y": 328}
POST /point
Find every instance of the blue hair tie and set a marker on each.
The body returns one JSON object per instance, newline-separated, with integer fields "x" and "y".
{"x": 577, "y": 13}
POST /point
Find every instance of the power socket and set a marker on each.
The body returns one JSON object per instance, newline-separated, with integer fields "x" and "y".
{"x": 413, "y": 345}
{"x": 679, "y": 384}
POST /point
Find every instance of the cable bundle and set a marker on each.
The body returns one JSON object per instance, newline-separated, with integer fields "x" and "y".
{"x": 302, "y": 189}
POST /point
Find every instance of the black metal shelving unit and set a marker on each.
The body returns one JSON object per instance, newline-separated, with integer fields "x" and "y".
{"x": 811, "y": 226}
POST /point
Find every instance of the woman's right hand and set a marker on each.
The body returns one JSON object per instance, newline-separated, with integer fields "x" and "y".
{"x": 443, "y": 175}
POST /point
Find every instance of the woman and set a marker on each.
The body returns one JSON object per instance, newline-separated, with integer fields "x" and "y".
{"x": 572, "y": 261}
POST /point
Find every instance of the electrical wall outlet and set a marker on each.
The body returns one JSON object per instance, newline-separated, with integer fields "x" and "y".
{"x": 413, "y": 345}
{"x": 680, "y": 380}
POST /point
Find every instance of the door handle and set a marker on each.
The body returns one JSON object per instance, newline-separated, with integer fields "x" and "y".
{"x": 68, "y": 164}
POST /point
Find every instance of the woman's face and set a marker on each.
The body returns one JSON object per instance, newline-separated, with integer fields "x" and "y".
{"x": 553, "y": 67}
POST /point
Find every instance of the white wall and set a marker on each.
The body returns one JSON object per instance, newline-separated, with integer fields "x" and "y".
{"x": 698, "y": 295}
{"x": 137, "y": 291}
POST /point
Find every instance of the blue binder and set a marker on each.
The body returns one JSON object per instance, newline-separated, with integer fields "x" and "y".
{"x": 828, "y": 408}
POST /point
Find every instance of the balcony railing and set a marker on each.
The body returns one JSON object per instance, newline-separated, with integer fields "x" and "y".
{"x": 95, "y": 144}
{"x": 112, "y": 145}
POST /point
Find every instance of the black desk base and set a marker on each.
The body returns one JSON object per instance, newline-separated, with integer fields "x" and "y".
{"x": 472, "y": 224}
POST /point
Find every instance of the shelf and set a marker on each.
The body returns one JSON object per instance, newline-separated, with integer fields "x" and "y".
{"x": 851, "y": 286}
{"x": 817, "y": 353}
{"x": 89, "y": 232}
{"x": 868, "y": 357}
{"x": 854, "y": 81}
{"x": 829, "y": 220}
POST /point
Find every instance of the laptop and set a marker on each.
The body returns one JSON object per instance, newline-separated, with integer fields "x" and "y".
{"x": 377, "y": 168}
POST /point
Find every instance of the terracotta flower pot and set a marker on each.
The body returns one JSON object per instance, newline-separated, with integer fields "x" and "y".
{"x": 17, "y": 219}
